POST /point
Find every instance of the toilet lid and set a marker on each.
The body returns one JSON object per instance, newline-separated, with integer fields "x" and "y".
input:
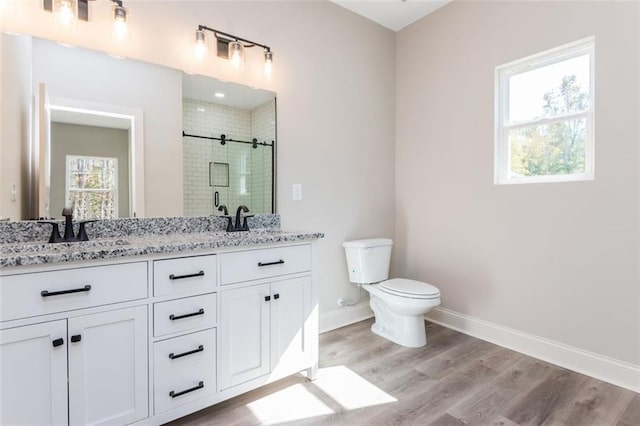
{"x": 410, "y": 288}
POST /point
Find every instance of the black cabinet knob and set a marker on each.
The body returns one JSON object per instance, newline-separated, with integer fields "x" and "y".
{"x": 267, "y": 298}
{"x": 76, "y": 338}
{"x": 58, "y": 342}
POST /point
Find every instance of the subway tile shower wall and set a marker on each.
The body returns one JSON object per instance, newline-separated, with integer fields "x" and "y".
{"x": 249, "y": 169}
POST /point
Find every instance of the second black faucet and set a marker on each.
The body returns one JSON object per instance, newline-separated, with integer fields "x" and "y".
{"x": 241, "y": 221}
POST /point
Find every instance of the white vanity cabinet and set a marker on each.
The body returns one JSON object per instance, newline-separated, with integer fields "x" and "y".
{"x": 77, "y": 369}
{"x": 151, "y": 339}
{"x": 265, "y": 320}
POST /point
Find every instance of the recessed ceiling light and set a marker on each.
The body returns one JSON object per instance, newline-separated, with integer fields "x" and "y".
{"x": 219, "y": 95}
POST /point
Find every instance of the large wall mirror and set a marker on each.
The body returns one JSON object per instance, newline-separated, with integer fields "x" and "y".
{"x": 123, "y": 138}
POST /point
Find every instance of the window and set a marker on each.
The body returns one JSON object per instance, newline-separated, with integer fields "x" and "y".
{"x": 544, "y": 116}
{"x": 92, "y": 186}
{"x": 245, "y": 171}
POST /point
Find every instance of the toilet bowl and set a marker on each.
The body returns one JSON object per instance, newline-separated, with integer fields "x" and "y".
{"x": 398, "y": 304}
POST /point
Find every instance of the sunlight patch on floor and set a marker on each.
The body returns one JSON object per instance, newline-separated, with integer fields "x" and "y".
{"x": 287, "y": 405}
{"x": 349, "y": 389}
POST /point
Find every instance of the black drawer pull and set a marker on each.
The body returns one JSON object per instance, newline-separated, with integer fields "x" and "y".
{"x": 45, "y": 293}
{"x": 192, "y": 314}
{"x": 58, "y": 342}
{"x": 195, "y": 351}
{"x": 181, "y": 277}
{"x": 278, "y": 262}
{"x": 173, "y": 394}
{"x": 267, "y": 298}
{"x": 76, "y": 338}
{"x": 276, "y": 296}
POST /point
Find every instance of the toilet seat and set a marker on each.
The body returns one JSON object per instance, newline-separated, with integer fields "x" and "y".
{"x": 409, "y": 288}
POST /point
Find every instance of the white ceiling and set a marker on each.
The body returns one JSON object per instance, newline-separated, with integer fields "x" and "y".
{"x": 393, "y": 14}
{"x": 195, "y": 87}
{"x": 88, "y": 118}
{"x": 203, "y": 89}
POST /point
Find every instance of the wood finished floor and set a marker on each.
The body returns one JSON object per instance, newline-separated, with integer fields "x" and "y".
{"x": 454, "y": 380}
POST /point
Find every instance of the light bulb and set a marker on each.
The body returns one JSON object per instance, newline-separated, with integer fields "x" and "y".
{"x": 119, "y": 22}
{"x": 236, "y": 53}
{"x": 268, "y": 63}
{"x": 200, "y": 46}
{"x": 65, "y": 12}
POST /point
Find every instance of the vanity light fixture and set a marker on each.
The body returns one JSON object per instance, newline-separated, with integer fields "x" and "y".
{"x": 231, "y": 47}
{"x": 268, "y": 62}
{"x": 119, "y": 19}
{"x": 236, "y": 53}
{"x": 67, "y": 10}
{"x": 200, "y": 46}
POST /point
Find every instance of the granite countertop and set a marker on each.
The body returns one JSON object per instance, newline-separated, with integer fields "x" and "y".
{"x": 36, "y": 253}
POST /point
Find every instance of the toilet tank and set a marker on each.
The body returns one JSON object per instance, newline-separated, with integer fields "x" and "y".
{"x": 368, "y": 260}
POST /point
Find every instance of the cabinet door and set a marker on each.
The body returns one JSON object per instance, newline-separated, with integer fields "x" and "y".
{"x": 290, "y": 339}
{"x": 244, "y": 334}
{"x": 108, "y": 367}
{"x": 34, "y": 374}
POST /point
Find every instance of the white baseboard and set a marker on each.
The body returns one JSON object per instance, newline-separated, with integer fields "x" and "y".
{"x": 607, "y": 369}
{"x": 344, "y": 316}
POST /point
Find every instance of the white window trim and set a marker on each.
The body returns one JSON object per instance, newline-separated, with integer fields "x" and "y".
{"x": 67, "y": 183}
{"x": 503, "y": 72}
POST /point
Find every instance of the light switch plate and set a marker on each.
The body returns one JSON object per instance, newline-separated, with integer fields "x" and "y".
{"x": 296, "y": 191}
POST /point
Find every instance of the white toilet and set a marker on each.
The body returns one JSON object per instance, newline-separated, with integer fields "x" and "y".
{"x": 399, "y": 304}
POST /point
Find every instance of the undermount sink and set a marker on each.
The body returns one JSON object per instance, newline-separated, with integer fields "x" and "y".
{"x": 39, "y": 247}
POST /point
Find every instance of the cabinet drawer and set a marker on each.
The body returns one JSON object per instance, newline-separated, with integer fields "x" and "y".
{"x": 43, "y": 293}
{"x": 187, "y": 275}
{"x": 181, "y": 364}
{"x": 264, "y": 263}
{"x": 184, "y": 314}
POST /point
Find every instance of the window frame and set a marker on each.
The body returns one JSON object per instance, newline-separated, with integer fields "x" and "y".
{"x": 115, "y": 190}
{"x": 502, "y": 154}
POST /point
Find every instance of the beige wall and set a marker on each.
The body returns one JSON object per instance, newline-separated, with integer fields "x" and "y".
{"x": 334, "y": 74}
{"x": 560, "y": 261}
{"x": 15, "y": 124}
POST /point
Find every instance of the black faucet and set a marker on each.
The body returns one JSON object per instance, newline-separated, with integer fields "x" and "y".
{"x": 69, "y": 235}
{"x": 230, "y": 227}
{"x": 68, "y": 224}
{"x": 239, "y": 216}
{"x": 241, "y": 221}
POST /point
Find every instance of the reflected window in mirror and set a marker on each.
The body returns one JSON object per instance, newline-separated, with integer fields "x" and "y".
{"x": 92, "y": 187}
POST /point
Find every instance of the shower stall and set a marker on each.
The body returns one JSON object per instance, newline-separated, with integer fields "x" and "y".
{"x": 228, "y": 158}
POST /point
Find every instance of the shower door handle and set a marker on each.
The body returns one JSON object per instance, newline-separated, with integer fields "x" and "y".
{"x": 216, "y": 198}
